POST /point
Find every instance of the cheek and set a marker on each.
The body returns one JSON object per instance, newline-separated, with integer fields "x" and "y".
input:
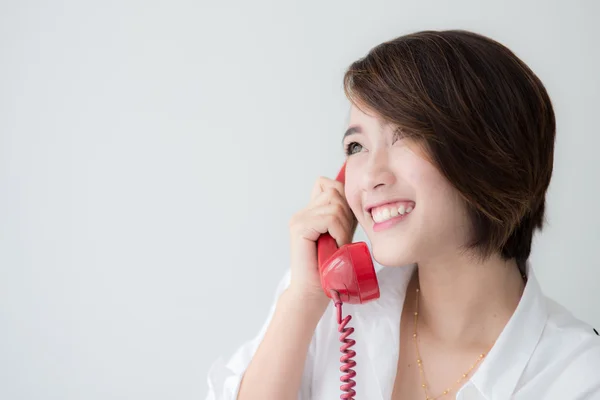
{"x": 419, "y": 177}
{"x": 440, "y": 204}
{"x": 413, "y": 168}
{"x": 352, "y": 189}
{"x": 352, "y": 193}
{"x": 444, "y": 213}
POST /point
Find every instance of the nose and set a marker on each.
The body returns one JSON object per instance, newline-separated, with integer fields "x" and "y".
{"x": 377, "y": 171}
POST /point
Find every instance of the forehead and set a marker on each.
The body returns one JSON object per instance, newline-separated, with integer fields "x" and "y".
{"x": 367, "y": 120}
{"x": 363, "y": 114}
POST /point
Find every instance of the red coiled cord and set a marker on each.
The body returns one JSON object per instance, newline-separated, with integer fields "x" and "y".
{"x": 346, "y": 359}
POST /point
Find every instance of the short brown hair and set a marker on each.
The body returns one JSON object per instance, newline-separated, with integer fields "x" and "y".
{"x": 484, "y": 117}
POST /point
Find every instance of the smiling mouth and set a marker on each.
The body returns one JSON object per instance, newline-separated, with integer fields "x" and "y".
{"x": 392, "y": 210}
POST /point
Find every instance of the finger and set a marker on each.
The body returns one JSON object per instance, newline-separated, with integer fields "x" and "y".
{"x": 332, "y": 196}
{"x": 320, "y": 225}
{"x": 339, "y": 230}
{"x": 322, "y": 183}
{"x": 337, "y": 210}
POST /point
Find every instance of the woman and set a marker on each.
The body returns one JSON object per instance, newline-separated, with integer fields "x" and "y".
{"x": 449, "y": 156}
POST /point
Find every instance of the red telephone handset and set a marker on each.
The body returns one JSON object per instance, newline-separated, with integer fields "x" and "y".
{"x": 347, "y": 276}
{"x": 348, "y": 270}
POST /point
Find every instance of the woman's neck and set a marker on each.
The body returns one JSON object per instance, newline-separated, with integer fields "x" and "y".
{"x": 463, "y": 302}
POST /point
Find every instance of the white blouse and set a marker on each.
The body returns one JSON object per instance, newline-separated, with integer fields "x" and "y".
{"x": 544, "y": 352}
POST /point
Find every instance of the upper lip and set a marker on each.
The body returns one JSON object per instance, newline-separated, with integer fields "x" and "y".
{"x": 369, "y": 207}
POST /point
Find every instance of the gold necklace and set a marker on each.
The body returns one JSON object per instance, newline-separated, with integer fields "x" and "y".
{"x": 420, "y": 363}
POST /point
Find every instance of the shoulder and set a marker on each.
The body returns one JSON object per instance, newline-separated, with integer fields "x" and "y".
{"x": 572, "y": 339}
{"x": 567, "y": 357}
{"x": 567, "y": 332}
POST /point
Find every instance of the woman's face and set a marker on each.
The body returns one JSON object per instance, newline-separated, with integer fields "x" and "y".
{"x": 395, "y": 172}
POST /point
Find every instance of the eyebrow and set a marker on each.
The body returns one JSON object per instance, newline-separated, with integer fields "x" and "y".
{"x": 358, "y": 129}
{"x": 352, "y": 130}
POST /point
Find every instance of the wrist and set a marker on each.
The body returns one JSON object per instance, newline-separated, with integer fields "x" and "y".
{"x": 307, "y": 303}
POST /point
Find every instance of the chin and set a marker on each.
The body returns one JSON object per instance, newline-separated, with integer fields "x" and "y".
{"x": 392, "y": 256}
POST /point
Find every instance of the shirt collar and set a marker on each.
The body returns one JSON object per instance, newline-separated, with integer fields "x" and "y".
{"x": 499, "y": 374}
{"x": 496, "y": 377}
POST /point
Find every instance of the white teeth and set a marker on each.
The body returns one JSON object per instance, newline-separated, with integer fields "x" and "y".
{"x": 388, "y": 213}
{"x": 377, "y": 217}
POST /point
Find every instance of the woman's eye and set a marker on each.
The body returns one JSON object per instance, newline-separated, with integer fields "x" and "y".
{"x": 352, "y": 148}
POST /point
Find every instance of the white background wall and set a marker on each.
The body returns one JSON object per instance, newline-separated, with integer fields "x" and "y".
{"x": 152, "y": 153}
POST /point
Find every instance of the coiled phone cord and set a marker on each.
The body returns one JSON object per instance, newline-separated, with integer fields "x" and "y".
{"x": 347, "y": 362}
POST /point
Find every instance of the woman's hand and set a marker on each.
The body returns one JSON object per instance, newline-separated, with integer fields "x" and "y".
{"x": 327, "y": 211}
